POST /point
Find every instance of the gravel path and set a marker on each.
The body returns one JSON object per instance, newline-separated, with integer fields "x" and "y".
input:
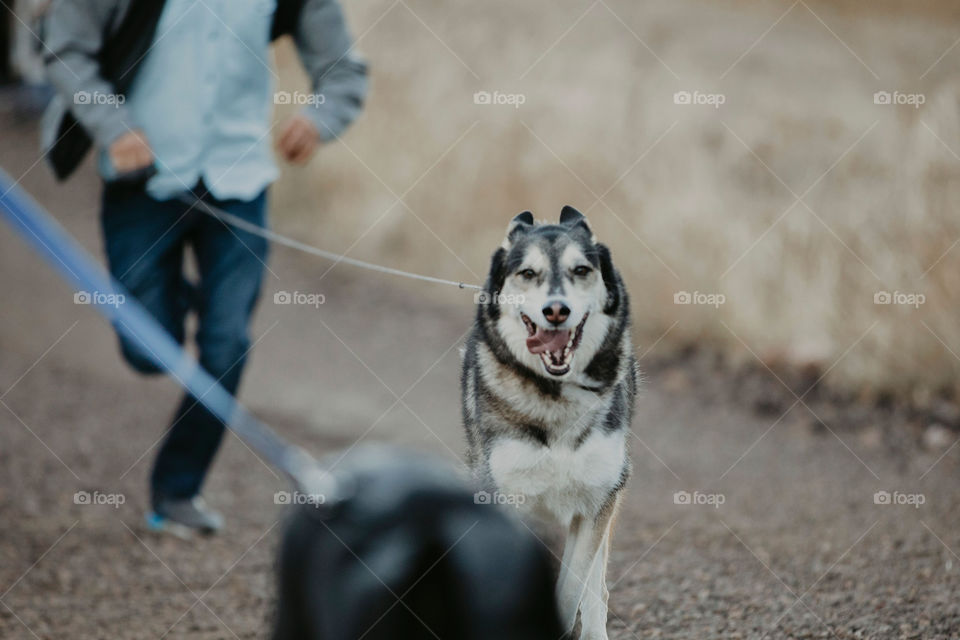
{"x": 796, "y": 547}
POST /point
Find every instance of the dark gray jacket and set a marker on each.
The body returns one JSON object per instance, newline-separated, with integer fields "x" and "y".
{"x": 77, "y": 33}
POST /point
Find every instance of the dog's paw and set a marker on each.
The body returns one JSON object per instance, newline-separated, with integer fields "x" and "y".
{"x": 594, "y": 634}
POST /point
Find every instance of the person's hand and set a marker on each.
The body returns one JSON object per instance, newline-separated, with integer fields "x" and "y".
{"x": 298, "y": 139}
{"x": 130, "y": 152}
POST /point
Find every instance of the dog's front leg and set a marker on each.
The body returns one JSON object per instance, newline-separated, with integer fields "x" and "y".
{"x": 572, "y": 576}
{"x": 587, "y": 577}
{"x": 581, "y": 587}
{"x": 593, "y": 605}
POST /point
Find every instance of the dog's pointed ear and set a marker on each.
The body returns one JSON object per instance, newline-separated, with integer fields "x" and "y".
{"x": 525, "y": 217}
{"x": 521, "y": 223}
{"x": 571, "y": 218}
{"x": 569, "y": 215}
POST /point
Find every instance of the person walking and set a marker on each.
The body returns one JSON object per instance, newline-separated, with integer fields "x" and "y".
{"x": 180, "y": 93}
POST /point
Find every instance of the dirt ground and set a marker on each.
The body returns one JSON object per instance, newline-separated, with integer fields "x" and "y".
{"x": 796, "y": 547}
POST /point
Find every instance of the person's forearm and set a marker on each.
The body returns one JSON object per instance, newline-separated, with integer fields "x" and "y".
{"x": 344, "y": 90}
{"x": 338, "y": 75}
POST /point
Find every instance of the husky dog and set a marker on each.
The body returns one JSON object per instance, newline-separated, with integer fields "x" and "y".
{"x": 548, "y": 384}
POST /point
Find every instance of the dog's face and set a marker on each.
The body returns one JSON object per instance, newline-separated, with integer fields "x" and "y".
{"x": 554, "y": 284}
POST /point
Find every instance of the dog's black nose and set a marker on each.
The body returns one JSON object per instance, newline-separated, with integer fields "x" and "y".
{"x": 556, "y": 312}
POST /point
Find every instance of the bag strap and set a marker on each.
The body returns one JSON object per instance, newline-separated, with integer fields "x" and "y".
{"x": 124, "y": 50}
{"x": 286, "y": 17}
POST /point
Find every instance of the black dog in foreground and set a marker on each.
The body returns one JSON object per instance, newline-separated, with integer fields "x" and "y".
{"x": 409, "y": 553}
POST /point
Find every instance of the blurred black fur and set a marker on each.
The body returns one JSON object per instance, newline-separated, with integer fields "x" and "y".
{"x": 410, "y": 554}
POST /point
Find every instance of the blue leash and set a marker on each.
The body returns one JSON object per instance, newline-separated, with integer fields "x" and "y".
{"x": 41, "y": 231}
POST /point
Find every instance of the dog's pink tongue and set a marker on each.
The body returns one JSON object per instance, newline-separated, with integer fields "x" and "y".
{"x": 545, "y": 340}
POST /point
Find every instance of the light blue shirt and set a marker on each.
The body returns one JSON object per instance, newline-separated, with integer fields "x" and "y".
{"x": 204, "y": 98}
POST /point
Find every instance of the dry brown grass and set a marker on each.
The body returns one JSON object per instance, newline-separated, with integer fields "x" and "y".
{"x": 689, "y": 197}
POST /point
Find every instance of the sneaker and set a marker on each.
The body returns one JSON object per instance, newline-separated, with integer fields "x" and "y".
{"x": 184, "y": 516}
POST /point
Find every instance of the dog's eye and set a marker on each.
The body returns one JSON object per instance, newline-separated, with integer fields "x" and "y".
{"x": 528, "y": 274}
{"x": 582, "y": 270}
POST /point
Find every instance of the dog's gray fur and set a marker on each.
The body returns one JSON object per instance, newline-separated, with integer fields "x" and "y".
{"x": 554, "y": 436}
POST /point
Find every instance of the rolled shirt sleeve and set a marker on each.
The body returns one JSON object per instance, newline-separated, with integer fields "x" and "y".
{"x": 338, "y": 75}
{"x": 73, "y": 36}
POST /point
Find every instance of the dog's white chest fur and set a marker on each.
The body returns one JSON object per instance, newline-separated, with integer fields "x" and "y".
{"x": 559, "y": 480}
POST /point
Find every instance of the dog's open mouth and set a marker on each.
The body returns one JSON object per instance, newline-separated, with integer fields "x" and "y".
{"x": 555, "y": 347}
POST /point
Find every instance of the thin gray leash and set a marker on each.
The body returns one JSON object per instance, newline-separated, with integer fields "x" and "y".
{"x": 240, "y": 223}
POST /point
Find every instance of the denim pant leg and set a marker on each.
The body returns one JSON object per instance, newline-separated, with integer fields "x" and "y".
{"x": 231, "y": 265}
{"x": 144, "y": 241}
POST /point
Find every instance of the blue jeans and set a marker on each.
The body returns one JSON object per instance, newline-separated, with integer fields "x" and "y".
{"x": 146, "y": 241}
